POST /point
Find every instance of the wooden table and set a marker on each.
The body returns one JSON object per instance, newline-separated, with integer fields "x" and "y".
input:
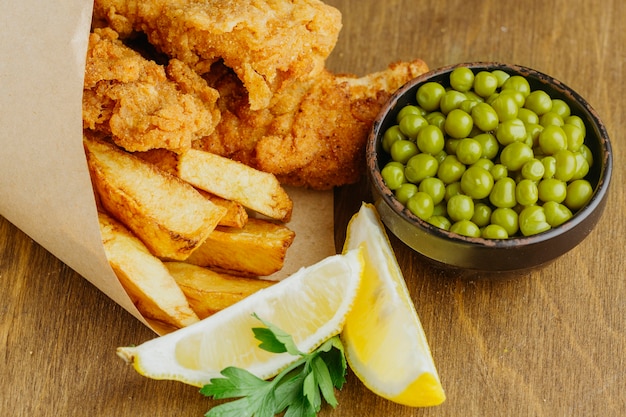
{"x": 550, "y": 344}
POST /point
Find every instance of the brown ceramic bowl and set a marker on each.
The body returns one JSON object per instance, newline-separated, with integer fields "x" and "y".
{"x": 501, "y": 256}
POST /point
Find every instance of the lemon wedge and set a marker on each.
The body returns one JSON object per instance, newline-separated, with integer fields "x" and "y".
{"x": 383, "y": 338}
{"x": 311, "y": 305}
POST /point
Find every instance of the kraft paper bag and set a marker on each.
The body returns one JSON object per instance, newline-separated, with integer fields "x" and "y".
{"x": 45, "y": 188}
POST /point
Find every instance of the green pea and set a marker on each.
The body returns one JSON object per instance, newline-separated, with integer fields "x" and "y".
{"x": 482, "y": 214}
{"x": 390, "y": 136}
{"x": 452, "y": 190}
{"x": 421, "y": 205}
{"x": 462, "y": 79}
{"x": 485, "y": 117}
{"x": 517, "y": 83}
{"x": 551, "y": 119}
{"x": 451, "y": 145}
{"x": 429, "y": 95}
{"x": 402, "y": 150}
{"x": 485, "y": 83}
{"x": 533, "y": 130}
{"x": 430, "y": 139}
{"x": 393, "y": 176}
{"x": 421, "y": 166}
{"x": 575, "y": 136}
{"x": 579, "y": 193}
{"x": 441, "y": 209}
{"x": 411, "y": 124}
{"x": 467, "y": 106}
{"x": 440, "y": 156}
{"x": 501, "y": 76}
{"x": 576, "y": 121}
{"x": 582, "y": 167}
{"x": 515, "y": 155}
{"x": 549, "y": 166}
{"x": 532, "y": 220}
{"x": 436, "y": 118}
{"x": 565, "y": 165}
{"x": 539, "y": 102}
{"x": 451, "y": 170}
{"x": 405, "y": 191}
{"x": 552, "y": 139}
{"x": 533, "y": 170}
{"x": 434, "y": 187}
{"x": 499, "y": 171}
{"x": 494, "y": 231}
{"x": 503, "y": 193}
{"x": 465, "y": 228}
{"x": 556, "y": 214}
{"x": 505, "y": 106}
{"x": 460, "y": 207}
{"x": 484, "y": 163}
{"x": 587, "y": 154}
{"x": 409, "y": 109}
{"x": 458, "y": 124}
{"x": 511, "y": 131}
{"x": 527, "y": 116}
{"x": 477, "y": 182}
{"x": 526, "y": 192}
{"x": 489, "y": 145}
{"x": 468, "y": 151}
{"x": 552, "y": 189}
{"x": 561, "y": 108}
{"x": 506, "y": 218}
{"x": 441, "y": 222}
{"x": 451, "y": 100}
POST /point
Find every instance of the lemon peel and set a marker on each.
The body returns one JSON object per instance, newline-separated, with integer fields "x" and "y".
{"x": 384, "y": 340}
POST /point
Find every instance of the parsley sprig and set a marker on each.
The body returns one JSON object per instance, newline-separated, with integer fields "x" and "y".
{"x": 298, "y": 390}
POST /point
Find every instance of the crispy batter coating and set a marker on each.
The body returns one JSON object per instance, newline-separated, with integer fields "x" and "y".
{"x": 314, "y": 133}
{"x": 268, "y": 43}
{"x": 132, "y": 99}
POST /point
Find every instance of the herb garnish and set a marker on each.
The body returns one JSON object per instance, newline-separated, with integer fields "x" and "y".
{"x": 298, "y": 390}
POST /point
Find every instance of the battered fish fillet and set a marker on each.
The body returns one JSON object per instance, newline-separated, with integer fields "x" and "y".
{"x": 132, "y": 99}
{"x": 268, "y": 43}
{"x": 313, "y": 134}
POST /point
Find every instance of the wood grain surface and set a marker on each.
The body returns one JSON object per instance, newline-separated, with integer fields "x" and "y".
{"x": 549, "y": 344}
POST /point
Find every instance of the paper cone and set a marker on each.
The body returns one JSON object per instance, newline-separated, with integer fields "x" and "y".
{"x": 45, "y": 188}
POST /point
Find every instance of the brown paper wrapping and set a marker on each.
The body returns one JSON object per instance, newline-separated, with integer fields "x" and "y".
{"x": 45, "y": 188}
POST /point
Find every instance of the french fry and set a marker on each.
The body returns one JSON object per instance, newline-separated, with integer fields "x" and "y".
{"x": 208, "y": 291}
{"x": 257, "y": 249}
{"x": 236, "y": 214}
{"x": 167, "y": 214}
{"x": 232, "y": 180}
{"x": 144, "y": 277}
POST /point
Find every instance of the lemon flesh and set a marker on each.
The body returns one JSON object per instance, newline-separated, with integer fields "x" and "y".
{"x": 384, "y": 340}
{"x": 311, "y": 305}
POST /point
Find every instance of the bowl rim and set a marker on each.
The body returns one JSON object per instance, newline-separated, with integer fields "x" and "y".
{"x": 399, "y": 209}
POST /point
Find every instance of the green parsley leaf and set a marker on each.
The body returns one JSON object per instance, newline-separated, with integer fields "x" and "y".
{"x": 298, "y": 390}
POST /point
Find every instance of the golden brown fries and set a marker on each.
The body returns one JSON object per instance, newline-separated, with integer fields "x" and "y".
{"x": 167, "y": 214}
{"x": 144, "y": 277}
{"x": 232, "y": 180}
{"x": 236, "y": 214}
{"x": 257, "y": 249}
{"x": 209, "y": 292}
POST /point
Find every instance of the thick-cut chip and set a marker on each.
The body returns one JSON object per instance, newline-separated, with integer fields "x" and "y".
{"x": 208, "y": 291}
{"x": 236, "y": 214}
{"x": 168, "y": 215}
{"x": 257, "y": 249}
{"x": 232, "y": 180}
{"x": 144, "y": 277}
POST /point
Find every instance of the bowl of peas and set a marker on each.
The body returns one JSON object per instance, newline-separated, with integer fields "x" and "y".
{"x": 489, "y": 167}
